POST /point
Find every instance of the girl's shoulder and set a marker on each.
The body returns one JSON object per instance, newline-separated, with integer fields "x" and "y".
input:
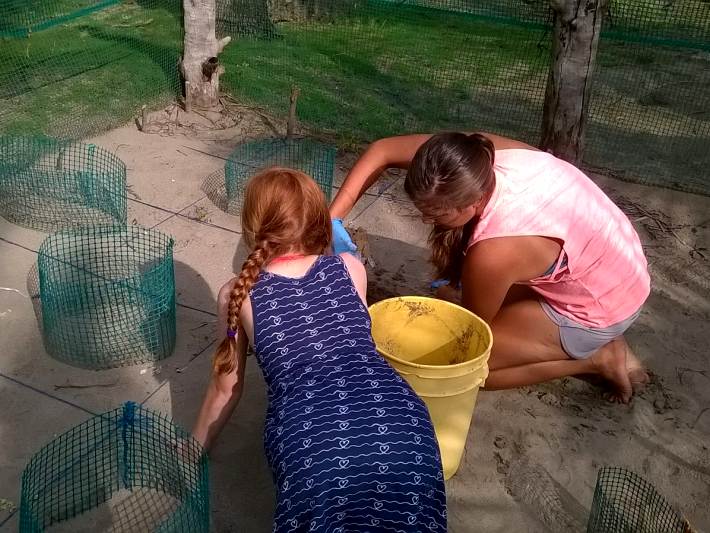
{"x": 352, "y": 263}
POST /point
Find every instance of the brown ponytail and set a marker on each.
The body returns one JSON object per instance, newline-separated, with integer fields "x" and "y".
{"x": 284, "y": 211}
{"x": 448, "y": 246}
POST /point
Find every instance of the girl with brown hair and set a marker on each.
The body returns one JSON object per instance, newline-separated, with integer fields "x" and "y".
{"x": 540, "y": 252}
{"x": 350, "y": 445}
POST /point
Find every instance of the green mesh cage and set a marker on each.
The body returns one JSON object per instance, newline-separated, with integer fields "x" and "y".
{"x": 107, "y": 296}
{"x": 130, "y": 469}
{"x": 626, "y": 503}
{"x": 49, "y": 184}
{"x": 311, "y": 157}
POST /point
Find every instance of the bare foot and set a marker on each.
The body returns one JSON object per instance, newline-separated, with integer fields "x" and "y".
{"x": 637, "y": 374}
{"x": 610, "y": 362}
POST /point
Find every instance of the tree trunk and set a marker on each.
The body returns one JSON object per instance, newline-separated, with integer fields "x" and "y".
{"x": 200, "y": 66}
{"x": 577, "y": 25}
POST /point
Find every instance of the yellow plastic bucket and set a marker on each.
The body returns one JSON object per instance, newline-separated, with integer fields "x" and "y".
{"x": 442, "y": 350}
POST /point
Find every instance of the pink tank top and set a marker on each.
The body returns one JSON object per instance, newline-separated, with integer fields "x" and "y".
{"x": 606, "y": 277}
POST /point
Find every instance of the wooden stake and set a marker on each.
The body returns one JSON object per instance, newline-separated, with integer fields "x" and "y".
{"x": 291, "y": 124}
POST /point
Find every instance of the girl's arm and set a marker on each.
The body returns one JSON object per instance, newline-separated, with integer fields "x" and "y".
{"x": 492, "y": 266}
{"x": 222, "y": 396}
{"x": 392, "y": 152}
{"x": 358, "y": 274}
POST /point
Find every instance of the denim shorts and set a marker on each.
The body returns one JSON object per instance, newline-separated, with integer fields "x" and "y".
{"x": 581, "y": 341}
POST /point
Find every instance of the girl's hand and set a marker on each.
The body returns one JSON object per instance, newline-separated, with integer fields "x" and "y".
{"x": 342, "y": 242}
{"x": 448, "y": 293}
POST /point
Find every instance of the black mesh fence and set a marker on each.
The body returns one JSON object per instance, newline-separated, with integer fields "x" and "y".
{"x": 626, "y": 503}
{"x": 372, "y": 68}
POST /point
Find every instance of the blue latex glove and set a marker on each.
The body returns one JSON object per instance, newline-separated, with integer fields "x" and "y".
{"x": 341, "y": 238}
{"x": 441, "y": 282}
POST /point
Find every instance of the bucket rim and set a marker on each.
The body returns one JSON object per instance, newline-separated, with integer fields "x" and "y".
{"x": 480, "y": 359}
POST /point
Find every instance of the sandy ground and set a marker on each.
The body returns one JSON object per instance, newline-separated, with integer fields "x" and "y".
{"x": 532, "y": 454}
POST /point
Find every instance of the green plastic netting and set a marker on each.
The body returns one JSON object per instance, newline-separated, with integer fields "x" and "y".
{"x": 377, "y": 68}
{"x": 48, "y": 184}
{"x": 373, "y": 68}
{"x": 107, "y": 296}
{"x": 626, "y": 503}
{"x": 311, "y": 157}
{"x": 72, "y": 68}
{"x": 130, "y": 469}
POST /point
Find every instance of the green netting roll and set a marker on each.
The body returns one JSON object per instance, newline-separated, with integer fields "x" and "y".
{"x": 49, "y": 184}
{"x": 130, "y": 469}
{"x": 108, "y": 296}
{"x": 311, "y": 157}
{"x": 626, "y": 503}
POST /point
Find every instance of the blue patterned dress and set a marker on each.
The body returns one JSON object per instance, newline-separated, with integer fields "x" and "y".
{"x": 351, "y": 446}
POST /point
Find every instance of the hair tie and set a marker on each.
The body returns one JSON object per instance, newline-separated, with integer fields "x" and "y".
{"x": 231, "y": 333}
